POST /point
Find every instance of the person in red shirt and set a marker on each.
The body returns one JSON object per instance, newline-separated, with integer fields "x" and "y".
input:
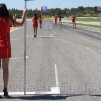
{"x": 40, "y": 21}
{"x": 55, "y": 19}
{"x": 60, "y": 22}
{"x": 35, "y": 24}
{"x": 74, "y": 21}
{"x": 5, "y": 46}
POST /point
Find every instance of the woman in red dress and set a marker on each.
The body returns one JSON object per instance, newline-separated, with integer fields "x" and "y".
{"x": 55, "y": 19}
{"x": 35, "y": 24}
{"x": 60, "y": 20}
{"x": 40, "y": 21}
{"x": 74, "y": 21}
{"x": 5, "y": 46}
{"x": 14, "y": 18}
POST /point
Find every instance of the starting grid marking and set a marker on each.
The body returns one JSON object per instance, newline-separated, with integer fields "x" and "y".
{"x": 41, "y": 36}
{"x": 19, "y": 58}
{"x": 54, "y": 90}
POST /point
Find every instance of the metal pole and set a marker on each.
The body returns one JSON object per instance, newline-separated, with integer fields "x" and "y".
{"x": 100, "y": 22}
{"x": 42, "y": 24}
{"x": 25, "y": 54}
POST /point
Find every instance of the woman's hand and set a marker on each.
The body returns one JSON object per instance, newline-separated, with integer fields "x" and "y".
{"x": 25, "y": 11}
{"x": 23, "y": 19}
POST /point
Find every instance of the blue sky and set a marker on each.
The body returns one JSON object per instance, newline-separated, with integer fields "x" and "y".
{"x": 19, "y": 4}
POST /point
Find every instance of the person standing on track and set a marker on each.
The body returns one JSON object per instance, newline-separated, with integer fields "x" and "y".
{"x": 40, "y": 21}
{"x": 55, "y": 19}
{"x": 60, "y": 22}
{"x": 74, "y": 21}
{"x": 5, "y": 46}
{"x": 14, "y": 18}
{"x": 35, "y": 24}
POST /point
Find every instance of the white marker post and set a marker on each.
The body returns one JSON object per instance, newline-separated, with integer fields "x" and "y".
{"x": 25, "y": 50}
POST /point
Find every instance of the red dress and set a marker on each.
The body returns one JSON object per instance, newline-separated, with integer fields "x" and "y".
{"x": 55, "y": 19}
{"x": 73, "y": 18}
{"x": 35, "y": 22}
{"x": 5, "y": 46}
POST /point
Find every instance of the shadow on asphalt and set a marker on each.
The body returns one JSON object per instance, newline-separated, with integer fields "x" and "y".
{"x": 42, "y": 97}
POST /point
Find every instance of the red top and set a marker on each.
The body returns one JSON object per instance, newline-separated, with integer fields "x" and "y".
{"x": 4, "y": 26}
{"x": 73, "y": 18}
{"x": 5, "y": 47}
{"x": 35, "y": 21}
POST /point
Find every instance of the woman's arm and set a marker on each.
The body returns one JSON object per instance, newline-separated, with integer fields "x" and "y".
{"x": 15, "y": 23}
{"x": 32, "y": 19}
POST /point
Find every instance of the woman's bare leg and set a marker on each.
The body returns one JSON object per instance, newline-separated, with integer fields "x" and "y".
{"x": 40, "y": 25}
{"x": 75, "y": 24}
{"x": 5, "y": 63}
{"x": 36, "y": 31}
{"x": 0, "y": 63}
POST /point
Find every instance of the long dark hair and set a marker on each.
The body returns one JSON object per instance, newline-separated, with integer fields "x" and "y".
{"x": 3, "y": 10}
{"x": 35, "y": 15}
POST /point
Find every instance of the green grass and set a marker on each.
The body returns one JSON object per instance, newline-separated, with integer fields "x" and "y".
{"x": 88, "y": 25}
{"x": 88, "y": 19}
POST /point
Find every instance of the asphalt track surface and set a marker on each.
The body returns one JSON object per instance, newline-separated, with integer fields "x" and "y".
{"x": 66, "y": 61}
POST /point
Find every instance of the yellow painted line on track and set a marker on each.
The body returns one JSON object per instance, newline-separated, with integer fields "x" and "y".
{"x": 13, "y": 29}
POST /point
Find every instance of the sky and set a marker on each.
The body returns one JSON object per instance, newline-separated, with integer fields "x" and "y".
{"x": 20, "y": 4}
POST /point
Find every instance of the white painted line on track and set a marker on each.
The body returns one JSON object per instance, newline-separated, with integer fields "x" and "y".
{"x": 54, "y": 90}
{"x": 20, "y": 57}
{"x": 56, "y": 76}
{"x": 94, "y": 93}
{"x": 87, "y": 47}
{"x": 27, "y": 35}
{"x": 27, "y": 57}
{"x": 41, "y": 36}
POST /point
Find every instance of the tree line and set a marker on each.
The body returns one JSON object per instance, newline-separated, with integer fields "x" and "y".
{"x": 80, "y": 11}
